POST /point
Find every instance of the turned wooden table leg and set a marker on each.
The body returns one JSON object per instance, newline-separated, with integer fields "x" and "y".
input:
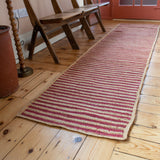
{"x": 23, "y": 71}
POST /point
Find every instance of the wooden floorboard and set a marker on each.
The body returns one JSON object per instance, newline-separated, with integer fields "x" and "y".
{"x": 96, "y": 148}
{"x": 124, "y": 156}
{"x": 22, "y": 139}
{"x": 140, "y": 148}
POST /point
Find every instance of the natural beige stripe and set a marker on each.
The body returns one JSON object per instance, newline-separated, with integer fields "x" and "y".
{"x": 79, "y": 130}
{"x": 88, "y": 117}
{"x": 99, "y": 103}
{"x": 98, "y": 113}
{"x": 106, "y": 73}
{"x": 77, "y": 125}
{"x": 83, "y": 81}
{"x": 102, "y": 97}
{"x": 75, "y": 85}
{"x": 89, "y": 105}
{"x": 101, "y": 77}
{"x": 95, "y": 92}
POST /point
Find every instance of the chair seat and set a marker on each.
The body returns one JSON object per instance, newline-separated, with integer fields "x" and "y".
{"x": 82, "y": 9}
{"x": 60, "y": 17}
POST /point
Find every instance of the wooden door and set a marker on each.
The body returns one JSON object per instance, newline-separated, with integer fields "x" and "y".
{"x": 136, "y": 9}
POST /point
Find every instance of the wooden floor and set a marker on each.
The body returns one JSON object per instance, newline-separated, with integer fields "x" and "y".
{"x": 22, "y": 139}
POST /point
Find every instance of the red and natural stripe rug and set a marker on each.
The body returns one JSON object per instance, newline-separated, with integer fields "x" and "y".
{"x": 98, "y": 95}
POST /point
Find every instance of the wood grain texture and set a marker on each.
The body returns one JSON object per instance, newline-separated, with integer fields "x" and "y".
{"x": 122, "y": 156}
{"x": 148, "y": 119}
{"x": 151, "y": 90}
{"x": 145, "y": 133}
{"x": 63, "y": 146}
{"x": 9, "y": 136}
{"x": 154, "y": 70}
{"x": 96, "y": 149}
{"x": 24, "y": 81}
{"x": 152, "y": 81}
{"x": 42, "y": 86}
{"x": 149, "y": 108}
{"x": 24, "y": 90}
{"x": 156, "y": 58}
{"x": 5, "y": 101}
{"x": 155, "y": 100}
{"x": 32, "y": 145}
{"x": 9, "y": 112}
{"x": 139, "y": 148}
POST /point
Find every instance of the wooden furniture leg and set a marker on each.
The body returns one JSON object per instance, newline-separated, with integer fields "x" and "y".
{"x": 49, "y": 45}
{"x": 100, "y": 22}
{"x": 88, "y": 20}
{"x": 97, "y": 14}
{"x": 70, "y": 36}
{"x": 66, "y": 27}
{"x": 85, "y": 26}
{"x": 33, "y": 41}
{"x": 37, "y": 27}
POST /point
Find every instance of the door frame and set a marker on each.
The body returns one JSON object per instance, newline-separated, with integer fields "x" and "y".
{"x": 135, "y": 12}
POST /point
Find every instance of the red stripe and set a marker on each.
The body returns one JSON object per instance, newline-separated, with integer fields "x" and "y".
{"x": 75, "y": 112}
{"x": 129, "y": 74}
{"x": 110, "y": 66}
{"x": 90, "y": 83}
{"x": 77, "y": 91}
{"x": 120, "y": 78}
{"x": 105, "y": 81}
{"x": 69, "y": 95}
{"x": 98, "y": 88}
{"x": 94, "y": 103}
{"x": 68, "y": 105}
{"x": 95, "y": 116}
{"x": 72, "y": 126}
{"x": 101, "y": 77}
{"x": 124, "y": 108}
{"x": 89, "y": 90}
{"x": 74, "y": 121}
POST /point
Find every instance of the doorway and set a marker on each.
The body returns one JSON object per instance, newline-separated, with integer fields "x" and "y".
{"x": 136, "y": 9}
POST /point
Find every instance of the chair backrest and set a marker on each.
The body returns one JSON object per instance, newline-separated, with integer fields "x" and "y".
{"x": 33, "y": 18}
{"x": 56, "y": 6}
{"x": 37, "y": 9}
{"x": 88, "y": 2}
{"x": 75, "y": 4}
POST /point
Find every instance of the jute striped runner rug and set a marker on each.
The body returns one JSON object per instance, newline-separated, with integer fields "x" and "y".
{"x": 98, "y": 95}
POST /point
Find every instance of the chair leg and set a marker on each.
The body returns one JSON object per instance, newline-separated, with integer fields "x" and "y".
{"x": 87, "y": 18}
{"x": 33, "y": 41}
{"x": 86, "y": 28}
{"x": 70, "y": 36}
{"x": 99, "y": 21}
{"x": 50, "y": 48}
{"x": 88, "y": 21}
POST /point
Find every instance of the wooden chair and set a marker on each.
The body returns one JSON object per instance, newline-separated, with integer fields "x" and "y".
{"x": 41, "y": 26}
{"x": 88, "y": 4}
{"x": 96, "y": 2}
{"x": 82, "y": 18}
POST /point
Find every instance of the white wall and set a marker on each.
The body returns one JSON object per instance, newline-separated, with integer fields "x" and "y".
{"x": 80, "y": 2}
